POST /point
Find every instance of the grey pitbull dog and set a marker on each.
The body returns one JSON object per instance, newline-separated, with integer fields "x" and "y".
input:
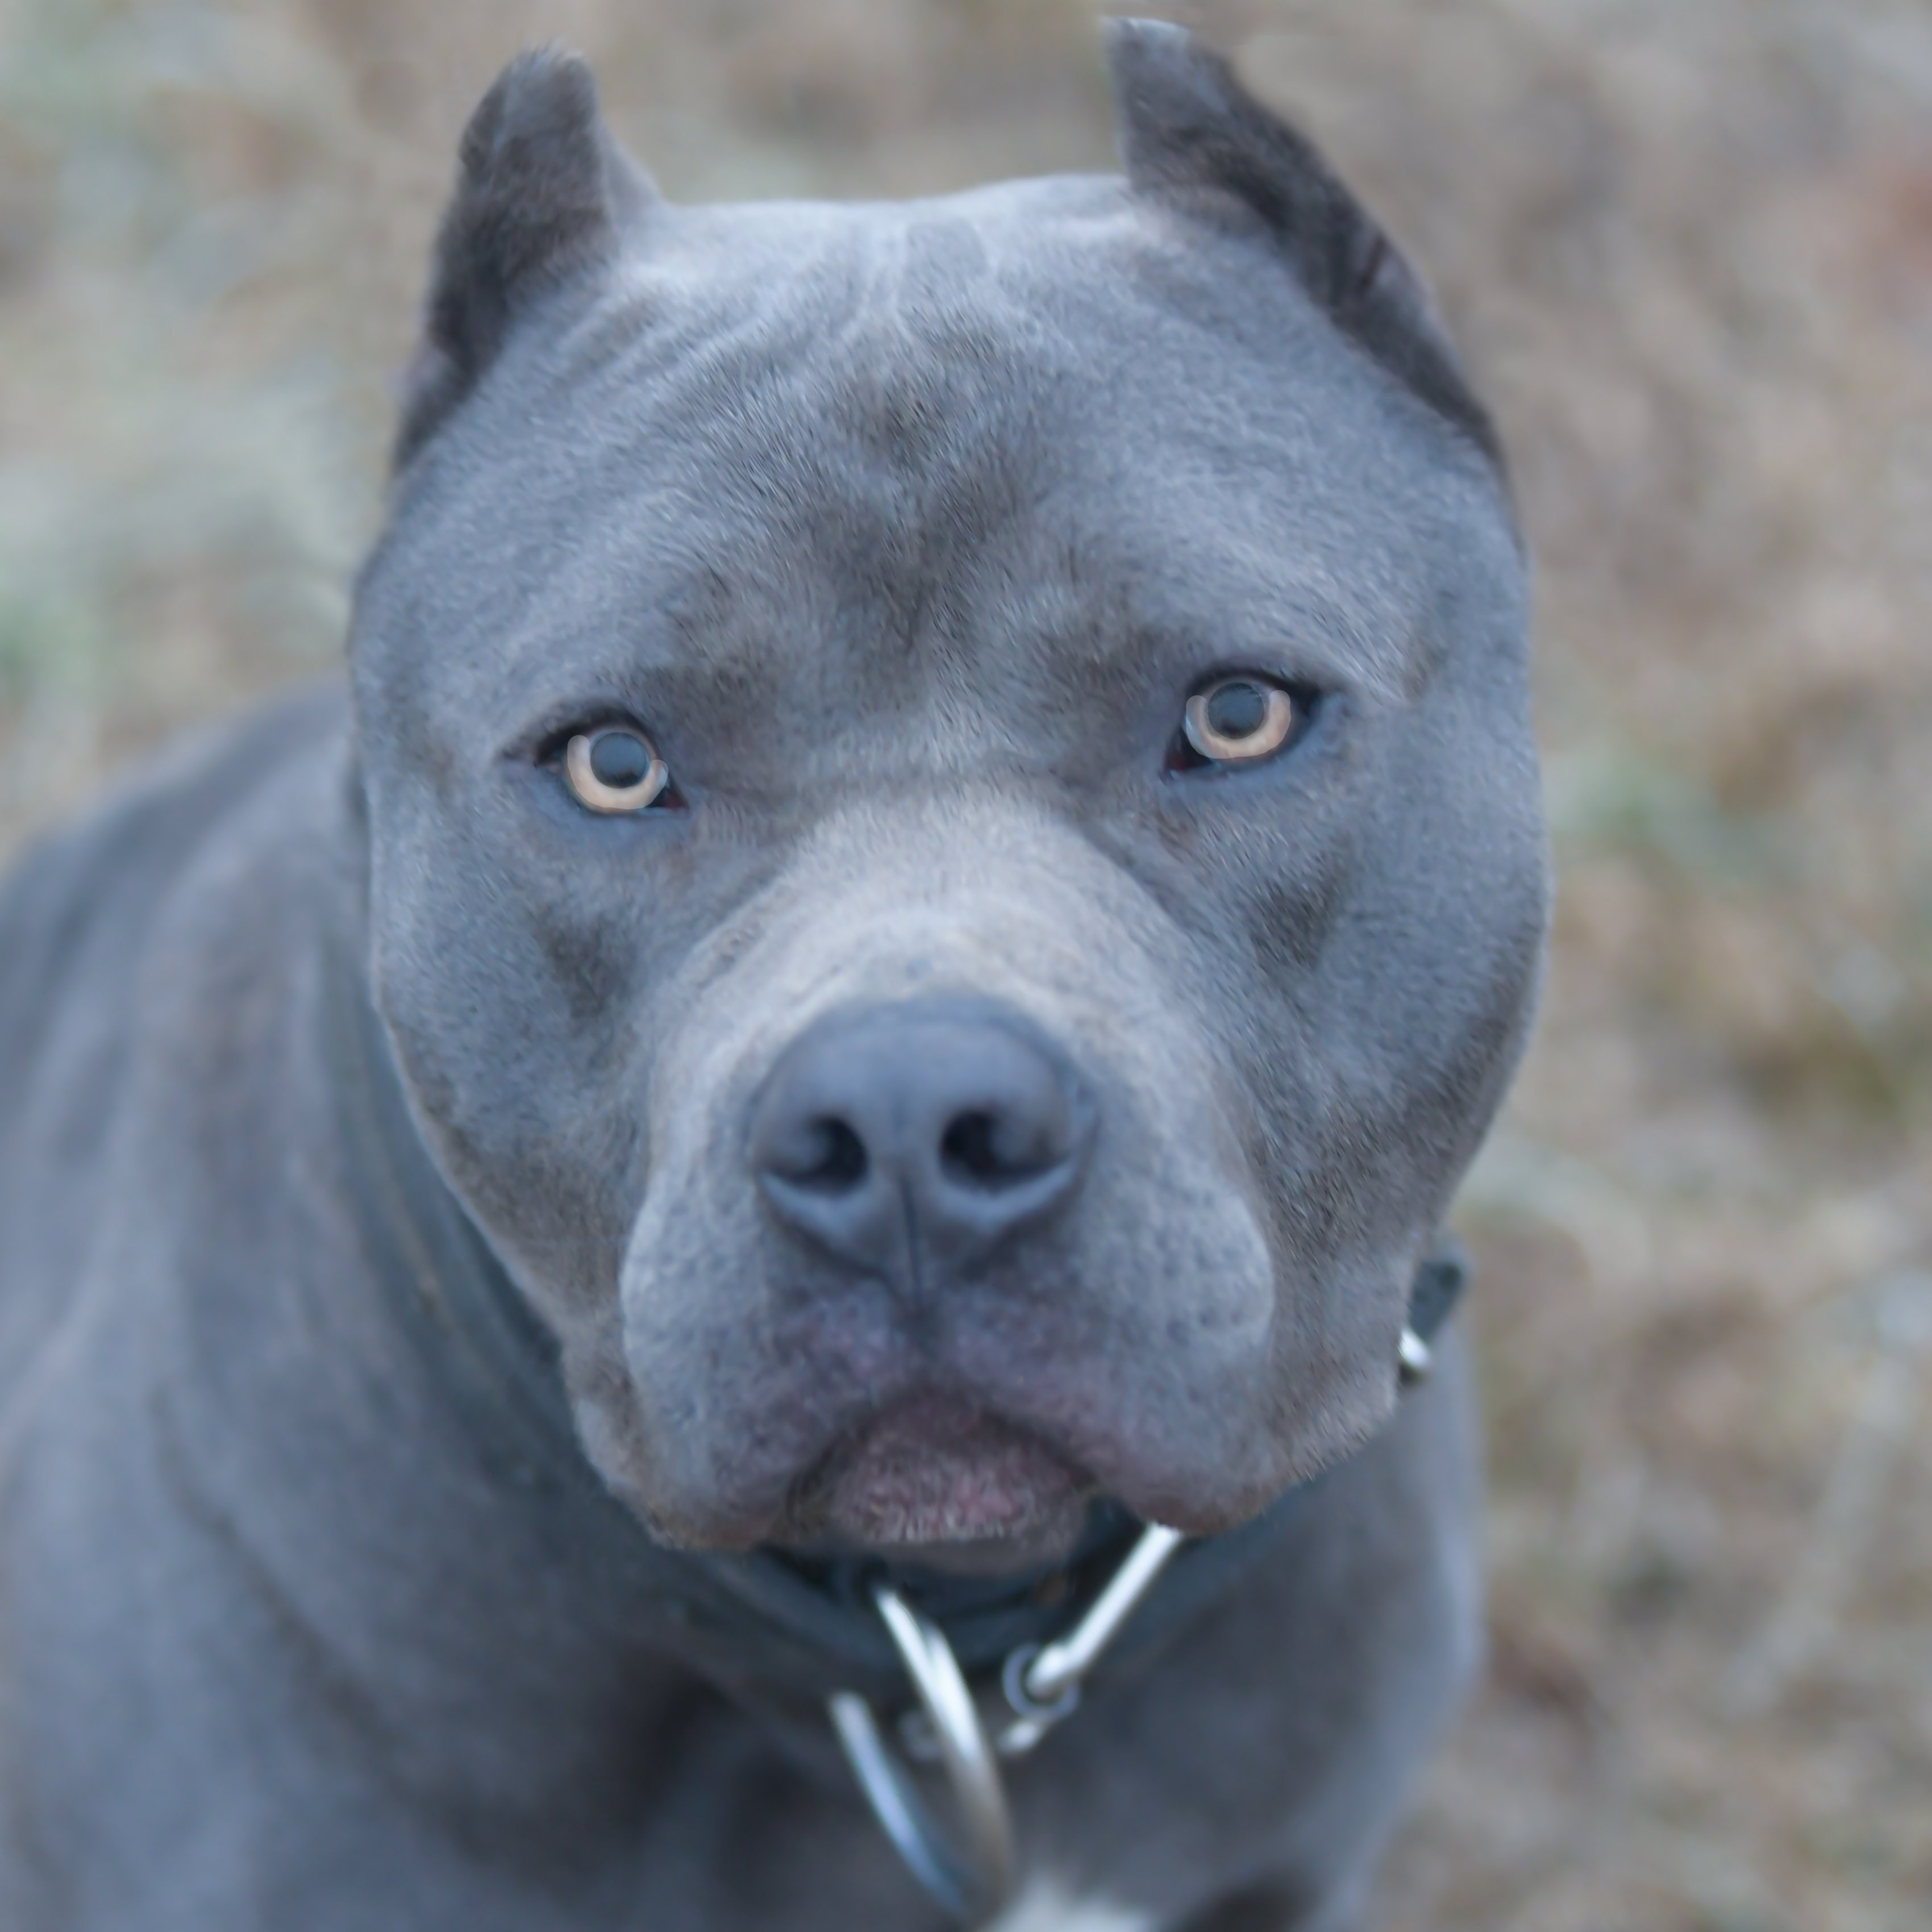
{"x": 933, "y": 870}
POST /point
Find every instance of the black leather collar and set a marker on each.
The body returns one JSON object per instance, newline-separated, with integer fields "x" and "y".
{"x": 777, "y": 1631}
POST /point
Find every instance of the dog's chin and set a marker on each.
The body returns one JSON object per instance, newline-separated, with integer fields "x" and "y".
{"x": 937, "y": 1481}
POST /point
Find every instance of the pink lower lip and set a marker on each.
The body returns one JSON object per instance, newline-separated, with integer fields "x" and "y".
{"x": 936, "y": 1470}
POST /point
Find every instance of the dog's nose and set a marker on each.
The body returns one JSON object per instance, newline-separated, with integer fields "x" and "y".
{"x": 924, "y": 1134}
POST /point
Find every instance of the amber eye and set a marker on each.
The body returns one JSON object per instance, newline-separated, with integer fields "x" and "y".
{"x": 1238, "y": 720}
{"x": 613, "y": 770}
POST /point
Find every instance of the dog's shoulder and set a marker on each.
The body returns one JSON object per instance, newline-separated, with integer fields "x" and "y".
{"x": 77, "y": 913}
{"x": 76, "y": 905}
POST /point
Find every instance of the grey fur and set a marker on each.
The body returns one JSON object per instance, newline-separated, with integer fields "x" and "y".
{"x": 905, "y": 530}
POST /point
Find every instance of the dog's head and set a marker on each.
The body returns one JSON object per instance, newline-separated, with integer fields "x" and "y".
{"x": 956, "y": 867}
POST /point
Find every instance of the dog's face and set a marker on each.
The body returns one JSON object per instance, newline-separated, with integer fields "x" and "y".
{"x": 956, "y": 864}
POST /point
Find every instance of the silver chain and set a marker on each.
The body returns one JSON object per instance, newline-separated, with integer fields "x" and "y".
{"x": 970, "y": 1871}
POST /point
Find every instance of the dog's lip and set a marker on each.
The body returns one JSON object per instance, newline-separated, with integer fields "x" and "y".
{"x": 933, "y": 1470}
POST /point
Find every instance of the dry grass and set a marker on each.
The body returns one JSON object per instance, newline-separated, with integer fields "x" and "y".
{"x": 1689, "y": 247}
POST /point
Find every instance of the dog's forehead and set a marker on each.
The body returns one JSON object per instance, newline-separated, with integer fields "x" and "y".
{"x": 1041, "y": 425}
{"x": 1052, "y": 330}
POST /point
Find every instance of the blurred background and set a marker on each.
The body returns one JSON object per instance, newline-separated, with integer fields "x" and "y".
{"x": 1687, "y": 245}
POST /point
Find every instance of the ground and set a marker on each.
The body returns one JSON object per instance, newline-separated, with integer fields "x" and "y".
{"x": 1687, "y": 246}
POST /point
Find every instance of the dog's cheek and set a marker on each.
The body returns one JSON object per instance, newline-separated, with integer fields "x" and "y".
{"x": 511, "y": 1067}
{"x": 1288, "y": 922}
{"x": 592, "y": 964}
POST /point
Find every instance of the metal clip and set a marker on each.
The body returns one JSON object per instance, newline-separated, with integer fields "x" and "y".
{"x": 1043, "y": 1686}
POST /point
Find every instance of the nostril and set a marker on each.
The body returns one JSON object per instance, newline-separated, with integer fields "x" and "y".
{"x": 982, "y": 1149}
{"x": 966, "y": 1150}
{"x": 834, "y": 1159}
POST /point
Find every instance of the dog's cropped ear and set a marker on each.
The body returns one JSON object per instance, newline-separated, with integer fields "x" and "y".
{"x": 1192, "y": 135}
{"x": 544, "y": 193}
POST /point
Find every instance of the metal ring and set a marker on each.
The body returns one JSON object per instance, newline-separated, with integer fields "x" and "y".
{"x": 972, "y": 1878}
{"x": 1036, "y": 1710}
{"x": 898, "y": 1806}
{"x": 1033, "y": 1717}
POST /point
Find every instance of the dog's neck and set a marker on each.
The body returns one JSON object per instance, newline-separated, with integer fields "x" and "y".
{"x": 333, "y": 1425}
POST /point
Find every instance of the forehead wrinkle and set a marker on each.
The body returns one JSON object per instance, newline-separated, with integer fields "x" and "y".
{"x": 899, "y": 333}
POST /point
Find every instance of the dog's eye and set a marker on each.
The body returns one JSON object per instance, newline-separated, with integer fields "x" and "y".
{"x": 614, "y": 769}
{"x": 1237, "y": 720}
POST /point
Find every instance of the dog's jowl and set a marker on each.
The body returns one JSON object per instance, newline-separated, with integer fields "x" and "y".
{"x": 930, "y": 873}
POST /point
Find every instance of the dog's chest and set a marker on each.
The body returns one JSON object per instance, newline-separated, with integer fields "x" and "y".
{"x": 1044, "y": 1906}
